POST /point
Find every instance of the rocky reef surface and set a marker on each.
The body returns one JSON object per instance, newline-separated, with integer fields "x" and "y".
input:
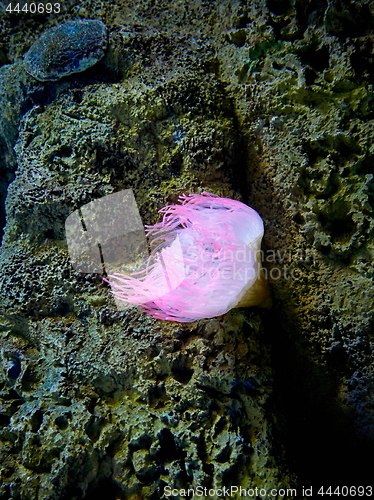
{"x": 268, "y": 102}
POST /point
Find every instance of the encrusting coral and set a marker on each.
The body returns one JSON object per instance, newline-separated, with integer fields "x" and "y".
{"x": 206, "y": 261}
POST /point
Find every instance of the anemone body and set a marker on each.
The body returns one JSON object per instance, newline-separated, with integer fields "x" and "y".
{"x": 205, "y": 259}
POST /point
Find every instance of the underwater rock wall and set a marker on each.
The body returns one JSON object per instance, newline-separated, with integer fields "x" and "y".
{"x": 267, "y": 102}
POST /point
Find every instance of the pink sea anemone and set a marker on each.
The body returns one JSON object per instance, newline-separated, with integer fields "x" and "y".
{"x": 205, "y": 262}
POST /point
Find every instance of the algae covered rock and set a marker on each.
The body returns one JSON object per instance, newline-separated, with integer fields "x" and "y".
{"x": 69, "y": 48}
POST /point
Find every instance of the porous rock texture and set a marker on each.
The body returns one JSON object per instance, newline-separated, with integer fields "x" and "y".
{"x": 267, "y": 102}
